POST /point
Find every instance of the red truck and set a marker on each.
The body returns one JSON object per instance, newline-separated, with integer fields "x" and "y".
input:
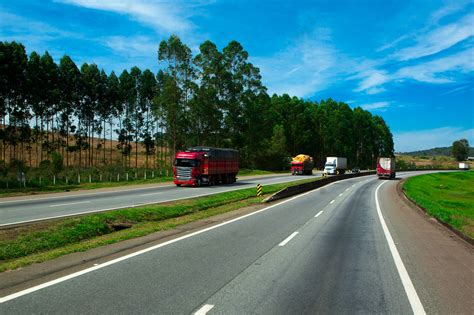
{"x": 205, "y": 165}
{"x": 386, "y": 167}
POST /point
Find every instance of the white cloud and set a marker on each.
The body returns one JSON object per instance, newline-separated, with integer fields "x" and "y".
{"x": 162, "y": 16}
{"x": 376, "y": 106}
{"x": 308, "y": 65}
{"x": 439, "y": 70}
{"x": 372, "y": 78}
{"x": 430, "y": 138}
{"x": 438, "y": 39}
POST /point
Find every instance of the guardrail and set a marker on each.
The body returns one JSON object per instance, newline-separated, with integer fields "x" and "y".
{"x": 298, "y": 189}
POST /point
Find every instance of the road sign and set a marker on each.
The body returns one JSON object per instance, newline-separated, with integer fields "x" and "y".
{"x": 259, "y": 190}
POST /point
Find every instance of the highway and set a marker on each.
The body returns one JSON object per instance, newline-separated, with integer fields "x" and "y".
{"x": 348, "y": 247}
{"x": 33, "y": 208}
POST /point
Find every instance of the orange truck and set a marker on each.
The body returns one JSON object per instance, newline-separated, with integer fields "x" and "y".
{"x": 302, "y": 165}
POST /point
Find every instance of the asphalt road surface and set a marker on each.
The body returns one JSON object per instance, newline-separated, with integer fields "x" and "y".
{"x": 348, "y": 247}
{"x": 28, "y": 209}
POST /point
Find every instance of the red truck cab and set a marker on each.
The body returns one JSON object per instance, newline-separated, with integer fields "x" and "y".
{"x": 205, "y": 165}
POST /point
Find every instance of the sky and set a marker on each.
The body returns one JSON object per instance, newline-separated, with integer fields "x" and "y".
{"x": 411, "y": 62}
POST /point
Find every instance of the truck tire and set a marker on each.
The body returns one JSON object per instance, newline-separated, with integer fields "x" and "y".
{"x": 199, "y": 182}
{"x": 178, "y": 185}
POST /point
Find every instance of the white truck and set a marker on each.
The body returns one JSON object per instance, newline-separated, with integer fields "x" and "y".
{"x": 463, "y": 166}
{"x": 335, "y": 165}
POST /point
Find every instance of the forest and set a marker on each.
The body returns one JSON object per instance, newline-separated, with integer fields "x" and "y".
{"x": 80, "y": 116}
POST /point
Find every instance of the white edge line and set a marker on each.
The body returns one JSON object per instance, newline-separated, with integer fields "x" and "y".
{"x": 68, "y": 204}
{"x": 204, "y": 309}
{"x": 413, "y": 298}
{"x": 286, "y": 240}
{"x": 143, "y": 251}
{"x": 319, "y": 213}
{"x": 332, "y": 201}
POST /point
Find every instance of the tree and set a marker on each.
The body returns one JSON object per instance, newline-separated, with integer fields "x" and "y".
{"x": 147, "y": 92}
{"x": 460, "y": 149}
{"x": 177, "y": 88}
{"x": 70, "y": 96}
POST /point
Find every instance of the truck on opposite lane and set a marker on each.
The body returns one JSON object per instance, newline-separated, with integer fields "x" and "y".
{"x": 205, "y": 165}
{"x": 335, "y": 165}
{"x": 302, "y": 165}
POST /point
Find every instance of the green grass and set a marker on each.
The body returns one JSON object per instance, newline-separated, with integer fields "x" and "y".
{"x": 45, "y": 241}
{"x": 83, "y": 186}
{"x": 446, "y": 196}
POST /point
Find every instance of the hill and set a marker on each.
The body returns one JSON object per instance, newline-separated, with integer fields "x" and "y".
{"x": 444, "y": 151}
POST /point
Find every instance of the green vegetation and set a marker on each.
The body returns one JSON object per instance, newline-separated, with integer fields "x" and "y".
{"x": 443, "y": 151}
{"x": 460, "y": 150}
{"x": 446, "y": 196}
{"x": 45, "y": 241}
{"x": 56, "y": 118}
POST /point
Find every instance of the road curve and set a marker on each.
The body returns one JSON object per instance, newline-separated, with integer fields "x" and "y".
{"x": 34, "y": 208}
{"x": 321, "y": 252}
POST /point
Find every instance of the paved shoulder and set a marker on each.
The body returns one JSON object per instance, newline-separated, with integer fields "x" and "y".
{"x": 440, "y": 264}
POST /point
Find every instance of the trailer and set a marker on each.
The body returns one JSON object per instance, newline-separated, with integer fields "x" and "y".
{"x": 386, "y": 168}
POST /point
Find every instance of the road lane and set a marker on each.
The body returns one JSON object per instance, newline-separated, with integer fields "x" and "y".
{"x": 338, "y": 262}
{"x": 31, "y": 209}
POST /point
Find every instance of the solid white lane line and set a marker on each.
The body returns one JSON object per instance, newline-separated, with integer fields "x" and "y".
{"x": 340, "y": 195}
{"x": 203, "y": 310}
{"x": 146, "y": 250}
{"x": 69, "y": 204}
{"x": 415, "y": 302}
{"x": 151, "y": 194}
{"x": 319, "y": 213}
{"x": 332, "y": 201}
{"x": 288, "y": 239}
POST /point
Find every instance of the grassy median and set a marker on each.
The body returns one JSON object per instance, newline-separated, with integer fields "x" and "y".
{"x": 48, "y": 240}
{"x": 447, "y": 196}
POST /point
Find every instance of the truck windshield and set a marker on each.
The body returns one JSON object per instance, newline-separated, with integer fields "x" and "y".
{"x": 330, "y": 164}
{"x": 186, "y": 162}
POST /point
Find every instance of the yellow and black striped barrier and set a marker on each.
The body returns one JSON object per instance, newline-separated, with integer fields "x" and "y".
{"x": 259, "y": 190}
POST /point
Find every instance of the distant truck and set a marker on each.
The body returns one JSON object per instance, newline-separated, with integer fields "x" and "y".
{"x": 205, "y": 166}
{"x": 386, "y": 167}
{"x": 335, "y": 165}
{"x": 302, "y": 165}
{"x": 464, "y": 166}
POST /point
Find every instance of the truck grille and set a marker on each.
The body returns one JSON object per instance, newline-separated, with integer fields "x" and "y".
{"x": 183, "y": 172}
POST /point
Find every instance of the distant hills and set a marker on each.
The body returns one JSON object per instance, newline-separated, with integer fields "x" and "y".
{"x": 435, "y": 152}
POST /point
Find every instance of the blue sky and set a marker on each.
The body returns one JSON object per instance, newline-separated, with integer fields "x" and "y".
{"x": 411, "y": 62}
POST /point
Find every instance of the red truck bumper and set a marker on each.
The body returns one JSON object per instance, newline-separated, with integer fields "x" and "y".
{"x": 189, "y": 182}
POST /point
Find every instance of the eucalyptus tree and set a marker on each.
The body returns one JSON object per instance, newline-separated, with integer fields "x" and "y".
{"x": 137, "y": 108}
{"x": 383, "y": 144}
{"x": 70, "y": 97}
{"x": 17, "y": 106}
{"x": 243, "y": 86}
{"x": 115, "y": 106}
{"x": 146, "y": 94}
{"x": 206, "y": 108}
{"x": 127, "y": 99}
{"x": 36, "y": 101}
{"x": 103, "y": 112}
{"x": 177, "y": 90}
{"x": 49, "y": 80}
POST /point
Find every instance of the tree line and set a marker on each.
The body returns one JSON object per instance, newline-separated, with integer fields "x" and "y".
{"x": 84, "y": 115}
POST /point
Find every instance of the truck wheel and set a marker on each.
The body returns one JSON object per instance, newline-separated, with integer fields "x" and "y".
{"x": 178, "y": 185}
{"x": 198, "y": 182}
